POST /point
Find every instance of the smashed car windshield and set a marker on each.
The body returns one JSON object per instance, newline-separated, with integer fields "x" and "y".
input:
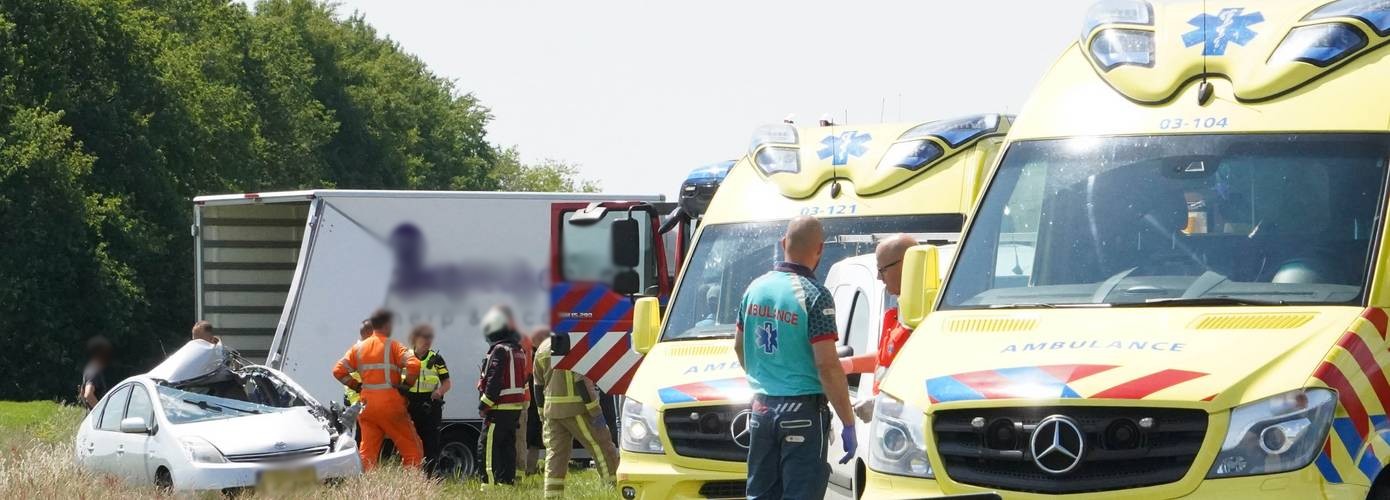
{"x": 182, "y": 407}
{"x": 730, "y": 256}
{"x": 1186, "y": 220}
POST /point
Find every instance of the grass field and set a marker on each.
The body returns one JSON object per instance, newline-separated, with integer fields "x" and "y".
{"x": 36, "y": 460}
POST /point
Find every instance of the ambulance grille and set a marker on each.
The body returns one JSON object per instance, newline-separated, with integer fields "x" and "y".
{"x": 992, "y": 325}
{"x": 991, "y": 458}
{"x": 1251, "y": 321}
{"x": 704, "y": 432}
{"x": 700, "y": 351}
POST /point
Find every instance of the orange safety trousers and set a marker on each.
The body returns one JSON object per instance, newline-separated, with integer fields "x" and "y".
{"x": 385, "y": 416}
{"x": 378, "y": 360}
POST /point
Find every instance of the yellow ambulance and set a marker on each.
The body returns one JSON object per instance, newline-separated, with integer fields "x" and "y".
{"x": 680, "y": 433}
{"x": 1175, "y": 283}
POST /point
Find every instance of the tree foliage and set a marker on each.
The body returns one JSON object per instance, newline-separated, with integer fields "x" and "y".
{"x": 550, "y": 175}
{"x": 115, "y": 113}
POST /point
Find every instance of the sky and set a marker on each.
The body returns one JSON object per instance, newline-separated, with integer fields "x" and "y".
{"x": 640, "y": 92}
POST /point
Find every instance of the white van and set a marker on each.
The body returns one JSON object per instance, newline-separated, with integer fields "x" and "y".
{"x": 288, "y": 278}
{"x": 860, "y": 301}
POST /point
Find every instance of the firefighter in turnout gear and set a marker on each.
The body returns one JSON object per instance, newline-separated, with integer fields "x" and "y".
{"x": 378, "y": 361}
{"x": 571, "y": 412}
{"x": 426, "y": 396}
{"x": 502, "y": 394}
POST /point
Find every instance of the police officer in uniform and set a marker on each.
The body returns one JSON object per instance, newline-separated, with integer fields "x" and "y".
{"x": 502, "y": 394}
{"x": 571, "y": 412}
{"x": 426, "y": 396}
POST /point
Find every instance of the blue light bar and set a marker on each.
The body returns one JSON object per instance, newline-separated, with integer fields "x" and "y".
{"x": 1375, "y": 13}
{"x": 1116, "y": 12}
{"x": 911, "y": 155}
{"x": 955, "y": 132}
{"x": 1113, "y": 48}
{"x": 1319, "y": 44}
{"x": 713, "y": 171}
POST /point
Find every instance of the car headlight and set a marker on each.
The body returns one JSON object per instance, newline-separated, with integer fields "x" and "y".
{"x": 898, "y": 437}
{"x": 639, "y": 426}
{"x": 200, "y": 450}
{"x": 1320, "y": 44}
{"x": 1275, "y": 434}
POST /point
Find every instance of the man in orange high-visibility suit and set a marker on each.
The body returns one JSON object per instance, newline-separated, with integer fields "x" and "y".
{"x": 378, "y": 361}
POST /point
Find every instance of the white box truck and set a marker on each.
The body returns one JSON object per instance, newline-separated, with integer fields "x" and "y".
{"x": 286, "y": 278}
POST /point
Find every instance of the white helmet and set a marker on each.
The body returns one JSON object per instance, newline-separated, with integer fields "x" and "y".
{"x": 497, "y": 320}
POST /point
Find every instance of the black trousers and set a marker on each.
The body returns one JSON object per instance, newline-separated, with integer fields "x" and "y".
{"x": 426, "y": 414}
{"x": 499, "y": 445}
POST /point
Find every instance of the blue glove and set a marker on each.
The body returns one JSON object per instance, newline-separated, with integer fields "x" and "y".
{"x": 851, "y": 441}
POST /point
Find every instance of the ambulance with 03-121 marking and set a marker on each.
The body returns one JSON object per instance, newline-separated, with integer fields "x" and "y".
{"x": 1175, "y": 283}
{"x": 682, "y": 409}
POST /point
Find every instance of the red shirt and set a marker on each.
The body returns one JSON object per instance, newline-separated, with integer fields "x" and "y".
{"x": 890, "y": 341}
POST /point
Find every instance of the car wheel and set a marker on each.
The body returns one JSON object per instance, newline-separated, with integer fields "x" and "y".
{"x": 163, "y": 480}
{"x": 458, "y": 455}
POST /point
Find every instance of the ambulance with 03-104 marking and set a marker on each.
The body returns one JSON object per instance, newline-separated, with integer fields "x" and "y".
{"x": 1175, "y": 283}
{"x": 681, "y": 415}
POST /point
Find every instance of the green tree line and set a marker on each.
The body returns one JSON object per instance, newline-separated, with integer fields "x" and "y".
{"x": 115, "y": 113}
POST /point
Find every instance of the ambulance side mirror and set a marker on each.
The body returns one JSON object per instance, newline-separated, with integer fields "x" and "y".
{"x": 646, "y": 324}
{"x": 921, "y": 283}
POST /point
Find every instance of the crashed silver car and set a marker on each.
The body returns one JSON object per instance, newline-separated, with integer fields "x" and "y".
{"x": 205, "y": 420}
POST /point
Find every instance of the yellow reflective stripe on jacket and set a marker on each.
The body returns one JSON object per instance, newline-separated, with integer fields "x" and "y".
{"x": 429, "y": 377}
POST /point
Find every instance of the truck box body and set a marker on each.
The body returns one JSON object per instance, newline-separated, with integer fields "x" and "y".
{"x": 289, "y": 277}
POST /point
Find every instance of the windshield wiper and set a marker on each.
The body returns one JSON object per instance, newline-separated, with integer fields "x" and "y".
{"x": 206, "y": 406}
{"x": 1204, "y": 301}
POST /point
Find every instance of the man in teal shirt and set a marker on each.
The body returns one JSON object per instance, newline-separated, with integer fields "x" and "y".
{"x": 793, "y": 371}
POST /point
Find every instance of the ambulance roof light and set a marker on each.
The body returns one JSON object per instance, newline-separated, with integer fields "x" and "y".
{"x": 955, "y": 132}
{"x": 1104, "y": 12}
{"x": 1375, "y": 13}
{"x": 774, "y": 149}
{"x": 1112, "y": 48}
{"x": 1319, "y": 44}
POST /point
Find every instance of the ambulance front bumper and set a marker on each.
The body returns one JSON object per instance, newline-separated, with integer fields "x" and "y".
{"x": 650, "y": 476}
{"x": 1302, "y": 483}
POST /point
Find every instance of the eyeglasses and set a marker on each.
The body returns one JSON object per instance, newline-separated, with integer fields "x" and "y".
{"x": 885, "y": 269}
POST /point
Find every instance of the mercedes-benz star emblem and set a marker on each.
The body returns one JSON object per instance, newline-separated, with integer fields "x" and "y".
{"x": 742, "y": 435}
{"x": 1057, "y": 444}
{"x": 280, "y": 445}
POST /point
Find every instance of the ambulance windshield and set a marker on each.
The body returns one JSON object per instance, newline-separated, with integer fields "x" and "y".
{"x": 1176, "y": 220}
{"x": 730, "y": 256}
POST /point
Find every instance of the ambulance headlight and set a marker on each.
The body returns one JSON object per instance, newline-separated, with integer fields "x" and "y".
{"x": 1275, "y": 434}
{"x": 897, "y": 437}
{"x": 777, "y": 159}
{"x": 1319, "y": 44}
{"x": 1117, "y": 12}
{"x": 1114, "y": 47}
{"x": 639, "y": 428}
{"x": 1374, "y": 12}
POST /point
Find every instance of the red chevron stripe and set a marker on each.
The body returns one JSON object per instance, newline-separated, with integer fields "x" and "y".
{"x": 578, "y": 346}
{"x": 1378, "y": 318}
{"x": 1329, "y": 374}
{"x": 572, "y": 298}
{"x": 620, "y": 387}
{"x": 610, "y": 359}
{"x": 1141, "y": 387}
{"x": 1369, "y": 367}
{"x": 1072, "y": 373}
{"x": 988, "y": 383}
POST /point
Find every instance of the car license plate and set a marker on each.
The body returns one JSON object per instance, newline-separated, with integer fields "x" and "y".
{"x": 285, "y": 480}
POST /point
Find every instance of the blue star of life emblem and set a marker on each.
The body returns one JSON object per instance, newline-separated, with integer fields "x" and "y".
{"x": 1218, "y": 31}
{"x": 767, "y": 337}
{"x": 844, "y": 146}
